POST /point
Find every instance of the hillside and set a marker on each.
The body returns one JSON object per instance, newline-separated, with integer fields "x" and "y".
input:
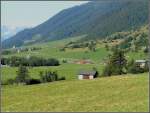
{"x": 8, "y": 31}
{"x": 115, "y": 94}
{"x": 93, "y": 19}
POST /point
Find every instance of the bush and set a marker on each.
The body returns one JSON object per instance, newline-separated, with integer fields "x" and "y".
{"x": 64, "y": 61}
{"x": 97, "y": 73}
{"x": 48, "y": 76}
{"x": 146, "y": 50}
{"x": 6, "y": 52}
{"x": 5, "y": 61}
{"x": 62, "y": 49}
{"x": 10, "y": 81}
{"x": 62, "y": 78}
{"x": 32, "y": 81}
{"x": 107, "y": 71}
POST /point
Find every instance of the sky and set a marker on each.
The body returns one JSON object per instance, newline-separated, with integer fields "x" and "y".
{"x": 31, "y": 13}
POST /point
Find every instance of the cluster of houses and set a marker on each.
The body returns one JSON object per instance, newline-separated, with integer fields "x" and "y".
{"x": 20, "y": 49}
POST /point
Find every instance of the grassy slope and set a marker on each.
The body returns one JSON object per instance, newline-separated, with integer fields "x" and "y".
{"x": 120, "y": 93}
{"x": 67, "y": 70}
{"x": 51, "y": 50}
{"x": 117, "y": 93}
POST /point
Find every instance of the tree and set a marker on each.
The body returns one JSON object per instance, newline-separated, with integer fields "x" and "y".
{"x": 116, "y": 64}
{"x": 97, "y": 73}
{"x": 118, "y": 61}
{"x": 22, "y": 74}
{"x": 92, "y": 46}
{"x": 107, "y": 47}
{"x": 62, "y": 49}
{"x": 48, "y": 76}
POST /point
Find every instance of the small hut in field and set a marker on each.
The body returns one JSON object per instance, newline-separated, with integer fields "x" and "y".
{"x": 141, "y": 63}
{"x": 87, "y": 75}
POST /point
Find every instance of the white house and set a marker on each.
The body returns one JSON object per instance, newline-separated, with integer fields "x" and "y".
{"x": 141, "y": 63}
{"x": 86, "y": 75}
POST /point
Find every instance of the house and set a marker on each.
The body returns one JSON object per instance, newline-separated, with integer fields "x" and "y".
{"x": 18, "y": 50}
{"x": 141, "y": 63}
{"x": 87, "y": 75}
{"x": 1, "y": 65}
{"x": 83, "y": 62}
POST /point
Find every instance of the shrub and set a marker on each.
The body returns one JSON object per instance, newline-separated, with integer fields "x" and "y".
{"x": 10, "y": 81}
{"x": 6, "y": 52}
{"x": 62, "y": 78}
{"x": 107, "y": 71}
{"x": 97, "y": 73}
{"x": 62, "y": 49}
{"x": 146, "y": 50}
{"x": 64, "y": 61}
{"x": 5, "y": 61}
{"x": 32, "y": 81}
{"x": 48, "y": 76}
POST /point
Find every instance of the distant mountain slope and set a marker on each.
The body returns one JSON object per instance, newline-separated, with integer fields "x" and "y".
{"x": 95, "y": 19}
{"x": 7, "y": 31}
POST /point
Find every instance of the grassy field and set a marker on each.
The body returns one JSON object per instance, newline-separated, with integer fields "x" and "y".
{"x": 51, "y": 50}
{"x": 69, "y": 71}
{"x": 127, "y": 93}
{"x": 116, "y": 93}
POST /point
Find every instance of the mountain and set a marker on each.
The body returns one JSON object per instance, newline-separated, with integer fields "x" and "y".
{"x": 96, "y": 20}
{"x": 7, "y": 31}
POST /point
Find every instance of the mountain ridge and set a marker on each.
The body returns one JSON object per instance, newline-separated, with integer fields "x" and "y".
{"x": 96, "y": 19}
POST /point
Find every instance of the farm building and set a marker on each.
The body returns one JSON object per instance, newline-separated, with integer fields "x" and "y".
{"x": 87, "y": 75}
{"x": 83, "y": 62}
{"x": 141, "y": 63}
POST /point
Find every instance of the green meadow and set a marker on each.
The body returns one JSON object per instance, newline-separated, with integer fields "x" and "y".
{"x": 69, "y": 71}
{"x": 117, "y": 93}
{"x": 51, "y": 50}
{"x": 127, "y": 93}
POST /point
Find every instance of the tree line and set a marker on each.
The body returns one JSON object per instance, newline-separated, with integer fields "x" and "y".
{"x": 117, "y": 64}
{"x": 24, "y": 78}
{"x": 31, "y": 61}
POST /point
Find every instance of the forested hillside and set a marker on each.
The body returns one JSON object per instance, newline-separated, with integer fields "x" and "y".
{"x": 93, "y": 19}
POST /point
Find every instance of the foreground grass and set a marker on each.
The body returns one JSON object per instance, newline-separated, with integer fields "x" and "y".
{"x": 117, "y": 93}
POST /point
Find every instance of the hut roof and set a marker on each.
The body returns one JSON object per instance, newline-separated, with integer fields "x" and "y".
{"x": 140, "y": 61}
{"x": 87, "y": 73}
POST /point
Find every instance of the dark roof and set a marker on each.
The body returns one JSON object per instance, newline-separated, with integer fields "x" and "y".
{"x": 87, "y": 73}
{"x": 140, "y": 61}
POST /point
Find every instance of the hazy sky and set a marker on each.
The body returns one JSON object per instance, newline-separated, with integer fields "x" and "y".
{"x": 31, "y": 13}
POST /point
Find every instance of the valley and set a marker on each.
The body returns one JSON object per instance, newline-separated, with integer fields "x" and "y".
{"x": 95, "y": 62}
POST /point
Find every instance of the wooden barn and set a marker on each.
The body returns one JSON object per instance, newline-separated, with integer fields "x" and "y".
{"x": 87, "y": 75}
